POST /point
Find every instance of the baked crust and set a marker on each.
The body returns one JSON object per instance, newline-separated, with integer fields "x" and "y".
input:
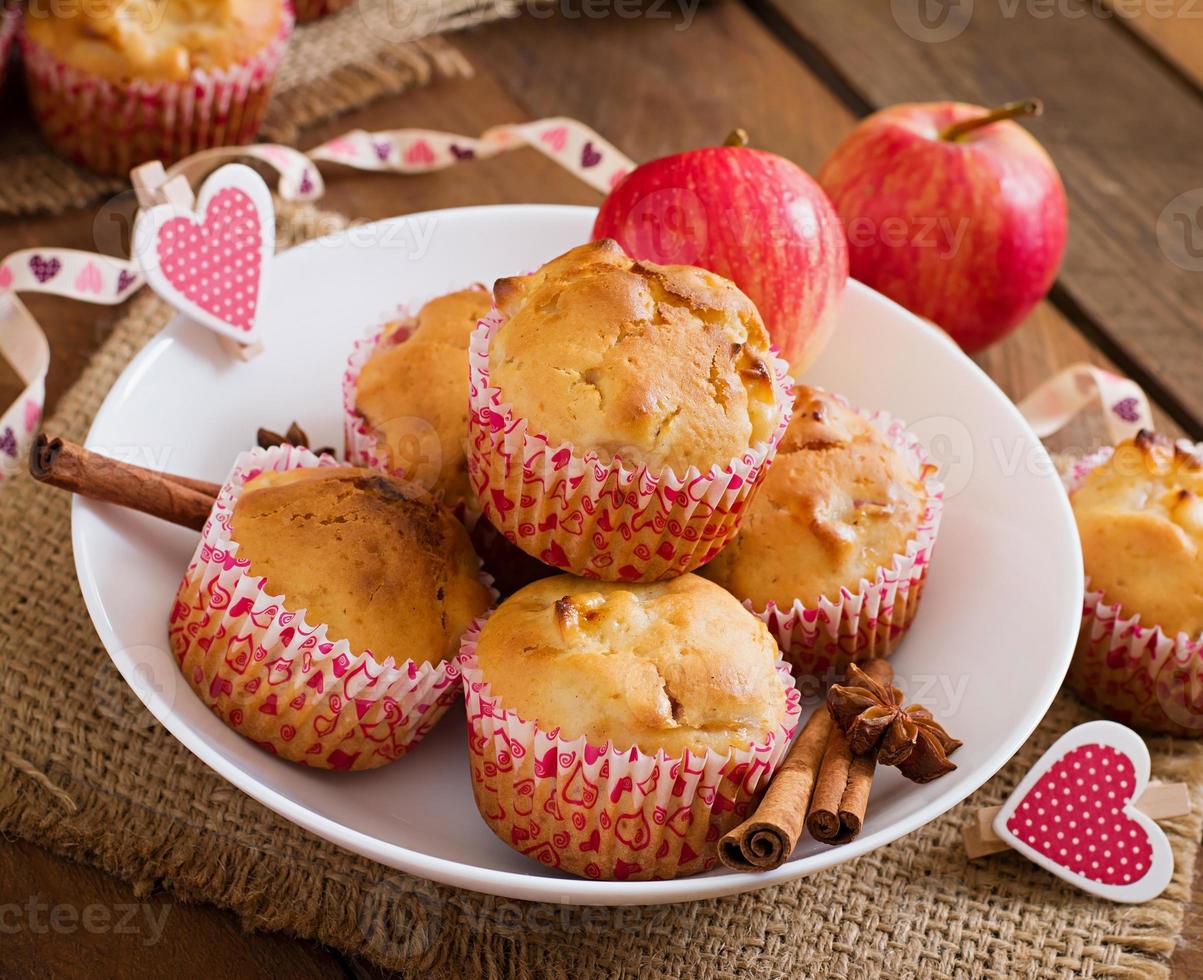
{"x": 156, "y": 40}
{"x": 673, "y": 665}
{"x": 659, "y": 365}
{"x": 414, "y": 394}
{"x": 374, "y": 558}
{"x": 838, "y": 503}
{"x": 1140, "y": 517}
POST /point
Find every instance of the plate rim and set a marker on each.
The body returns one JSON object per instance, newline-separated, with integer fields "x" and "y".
{"x": 532, "y": 887}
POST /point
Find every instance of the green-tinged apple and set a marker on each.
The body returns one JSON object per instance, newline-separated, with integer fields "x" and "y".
{"x": 952, "y": 210}
{"x": 749, "y": 215}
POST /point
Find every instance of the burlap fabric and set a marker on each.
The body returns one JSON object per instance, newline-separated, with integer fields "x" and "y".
{"x": 373, "y": 48}
{"x": 87, "y": 772}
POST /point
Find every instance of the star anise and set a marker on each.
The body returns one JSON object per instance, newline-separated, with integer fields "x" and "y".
{"x": 875, "y": 721}
{"x": 295, "y": 436}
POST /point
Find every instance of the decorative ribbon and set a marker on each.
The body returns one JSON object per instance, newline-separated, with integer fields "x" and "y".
{"x": 94, "y": 278}
{"x": 1050, "y": 407}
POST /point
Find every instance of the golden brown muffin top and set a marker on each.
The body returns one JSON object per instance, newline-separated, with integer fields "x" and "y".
{"x": 663, "y": 365}
{"x": 838, "y": 503}
{"x": 374, "y": 558}
{"x": 156, "y": 40}
{"x": 1140, "y": 517}
{"x": 414, "y": 394}
{"x": 670, "y": 665}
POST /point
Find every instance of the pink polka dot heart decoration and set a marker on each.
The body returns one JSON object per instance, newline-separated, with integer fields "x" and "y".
{"x": 212, "y": 264}
{"x": 1073, "y": 815}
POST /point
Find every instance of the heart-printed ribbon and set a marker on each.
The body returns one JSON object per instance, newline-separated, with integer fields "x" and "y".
{"x": 212, "y": 263}
{"x": 1073, "y": 814}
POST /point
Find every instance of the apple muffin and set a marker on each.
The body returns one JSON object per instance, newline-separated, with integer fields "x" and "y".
{"x": 641, "y": 711}
{"x": 1139, "y": 512}
{"x": 650, "y": 390}
{"x": 322, "y": 611}
{"x": 834, "y": 520}
{"x": 407, "y": 408}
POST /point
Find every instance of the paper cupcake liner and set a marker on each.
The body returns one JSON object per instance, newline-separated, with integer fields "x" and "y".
{"x": 584, "y": 513}
{"x": 308, "y": 10}
{"x": 280, "y": 680}
{"x": 362, "y": 447}
{"x": 1135, "y": 674}
{"x": 865, "y": 624}
{"x": 10, "y": 19}
{"x": 602, "y": 811}
{"x": 114, "y": 126}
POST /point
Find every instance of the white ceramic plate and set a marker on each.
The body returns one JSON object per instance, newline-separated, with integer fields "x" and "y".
{"x": 987, "y": 651}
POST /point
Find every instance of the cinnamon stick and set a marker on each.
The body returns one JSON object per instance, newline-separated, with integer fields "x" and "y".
{"x": 837, "y": 809}
{"x": 180, "y": 500}
{"x": 767, "y": 838}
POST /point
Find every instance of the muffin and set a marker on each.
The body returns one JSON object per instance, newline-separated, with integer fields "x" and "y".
{"x": 322, "y": 612}
{"x": 114, "y": 83}
{"x": 833, "y": 552}
{"x": 309, "y": 10}
{"x": 405, "y": 396}
{"x": 619, "y": 730}
{"x": 622, "y": 413}
{"x": 1139, "y": 510}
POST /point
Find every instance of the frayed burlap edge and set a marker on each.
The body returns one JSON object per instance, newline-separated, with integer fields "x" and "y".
{"x": 86, "y": 772}
{"x": 394, "y": 70}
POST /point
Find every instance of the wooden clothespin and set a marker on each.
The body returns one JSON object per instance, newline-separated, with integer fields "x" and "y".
{"x": 1159, "y": 801}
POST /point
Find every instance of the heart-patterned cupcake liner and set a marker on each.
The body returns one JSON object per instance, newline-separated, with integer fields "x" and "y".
{"x": 1132, "y": 672}
{"x": 605, "y": 812}
{"x": 868, "y": 620}
{"x": 280, "y": 680}
{"x": 112, "y": 126}
{"x": 579, "y": 511}
{"x": 10, "y": 20}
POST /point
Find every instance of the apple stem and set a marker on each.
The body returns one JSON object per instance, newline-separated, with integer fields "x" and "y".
{"x": 1012, "y": 110}
{"x": 738, "y": 137}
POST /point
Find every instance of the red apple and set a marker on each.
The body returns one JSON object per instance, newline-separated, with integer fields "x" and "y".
{"x": 952, "y": 210}
{"x": 751, "y": 216}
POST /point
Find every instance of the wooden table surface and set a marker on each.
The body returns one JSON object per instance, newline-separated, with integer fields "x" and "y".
{"x": 1123, "y": 121}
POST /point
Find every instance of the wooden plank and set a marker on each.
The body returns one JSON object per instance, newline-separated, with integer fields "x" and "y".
{"x": 1125, "y": 131}
{"x": 1173, "y": 28}
{"x": 59, "y": 919}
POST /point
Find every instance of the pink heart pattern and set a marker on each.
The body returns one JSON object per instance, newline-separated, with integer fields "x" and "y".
{"x": 44, "y": 269}
{"x": 1074, "y": 816}
{"x": 556, "y": 137}
{"x": 217, "y": 262}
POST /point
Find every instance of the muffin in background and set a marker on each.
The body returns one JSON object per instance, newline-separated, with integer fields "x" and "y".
{"x": 118, "y": 82}
{"x": 323, "y": 609}
{"x": 311, "y": 10}
{"x": 833, "y": 552}
{"x": 623, "y": 413}
{"x": 617, "y": 731}
{"x": 405, "y": 397}
{"x": 1139, "y": 510}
